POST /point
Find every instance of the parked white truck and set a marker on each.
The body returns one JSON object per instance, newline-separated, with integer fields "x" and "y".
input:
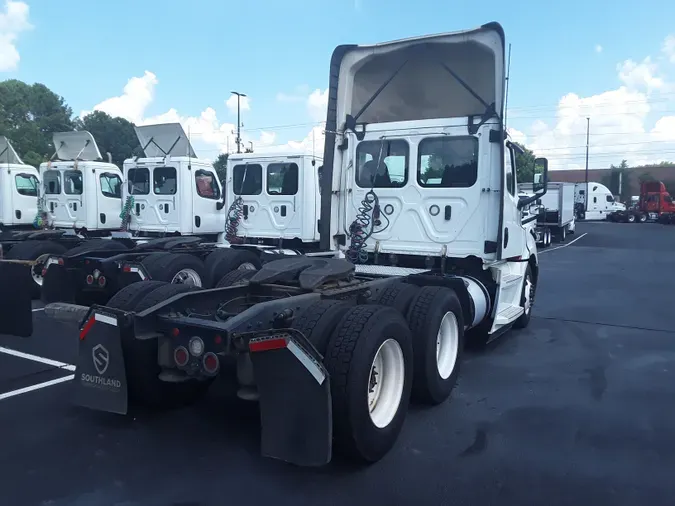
{"x": 556, "y": 216}
{"x": 595, "y": 202}
{"x": 417, "y": 192}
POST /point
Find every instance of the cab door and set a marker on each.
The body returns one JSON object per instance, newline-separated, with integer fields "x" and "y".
{"x": 513, "y": 237}
{"x": 73, "y": 189}
{"x": 284, "y": 200}
{"x": 52, "y": 183}
{"x": 205, "y": 196}
{"x": 247, "y": 183}
{"x": 108, "y": 199}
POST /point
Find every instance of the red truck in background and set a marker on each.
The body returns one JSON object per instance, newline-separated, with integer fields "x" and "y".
{"x": 654, "y": 204}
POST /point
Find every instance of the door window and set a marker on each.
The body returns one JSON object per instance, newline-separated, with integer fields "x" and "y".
{"x": 282, "y": 178}
{"x": 449, "y": 162}
{"x": 247, "y": 179}
{"x": 164, "y": 180}
{"x": 26, "y": 184}
{"x": 52, "y": 182}
{"x": 207, "y": 185}
{"x": 72, "y": 182}
{"x": 111, "y": 185}
{"x": 138, "y": 181}
{"x": 382, "y": 164}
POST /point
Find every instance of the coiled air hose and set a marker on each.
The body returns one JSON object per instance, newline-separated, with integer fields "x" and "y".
{"x": 125, "y": 215}
{"x": 234, "y": 214}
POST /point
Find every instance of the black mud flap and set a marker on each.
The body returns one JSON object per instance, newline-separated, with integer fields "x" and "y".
{"x": 16, "y": 305}
{"x": 100, "y": 378}
{"x": 57, "y": 285}
{"x": 295, "y": 401}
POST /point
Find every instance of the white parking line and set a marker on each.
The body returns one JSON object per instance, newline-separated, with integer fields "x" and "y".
{"x": 36, "y": 387}
{"x": 35, "y": 358}
{"x": 564, "y": 245}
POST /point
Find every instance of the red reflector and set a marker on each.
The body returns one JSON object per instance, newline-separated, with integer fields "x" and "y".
{"x": 217, "y": 339}
{"x": 181, "y": 356}
{"x": 60, "y": 261}
{"x": 44, "y": 272}
{"x": 126, "y": 268}
{"x": 90, "y": 279}
{"x": 270, "y": 344}
{"x": 87, "y": 327}
{"x": 210, "y": 363}
{"x": 175, "y": 332}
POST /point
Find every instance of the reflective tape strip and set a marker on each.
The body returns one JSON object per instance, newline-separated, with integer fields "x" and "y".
{"x": 106, "y": 319}
{"x": 307, "y": 361}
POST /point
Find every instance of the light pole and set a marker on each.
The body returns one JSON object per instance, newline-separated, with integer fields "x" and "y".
{"x": 239, "y": 95}
{"x": 588, "y": 130}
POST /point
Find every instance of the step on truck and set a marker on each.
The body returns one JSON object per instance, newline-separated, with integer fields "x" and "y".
{"x": 420, "y": 214}
{"x": 555, "y": 213}
{"x": 74, "y": 198}
{"x": 181, "y": 226}
{"x": 654, "y": 204}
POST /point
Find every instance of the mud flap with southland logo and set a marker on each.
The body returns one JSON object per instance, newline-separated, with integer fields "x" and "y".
{"x": 295, "y": 399}
{"x": 16, "y": 306}
{"x": 100, "y": 378}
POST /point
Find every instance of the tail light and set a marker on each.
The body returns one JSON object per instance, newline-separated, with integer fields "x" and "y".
{"x": 90, "y": 279}
{"x": 181, "y": 356}
{"x": 59, "y": 261}
{"x": 210, "y": 363}
{"x": 196, "y": 346}
{"x": 101, "y": 281}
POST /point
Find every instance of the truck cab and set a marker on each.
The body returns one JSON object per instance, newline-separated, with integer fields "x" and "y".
{"x": 170, "y": 190}
{"x": 80, "y": 190}
{"x": 601, "y": 202}
{"x": 275, "y": 196}
{"x": 422, "y": 175}
{"x": 655, "y": 199}
{"x": 19, "y": 189}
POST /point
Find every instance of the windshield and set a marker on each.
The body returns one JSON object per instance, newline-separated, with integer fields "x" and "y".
{"x": 26, "y": 184}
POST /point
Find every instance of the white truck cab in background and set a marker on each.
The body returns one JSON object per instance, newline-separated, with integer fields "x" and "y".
{"x": 601, "y": 202}
{"x": 274, "y": 196}
{"x": 80, "y": 191}
{"x": 19, "y": 189}
{"x": 173, "y": 191}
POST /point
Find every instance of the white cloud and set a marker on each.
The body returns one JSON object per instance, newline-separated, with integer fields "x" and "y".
{"x": 317, "y": 104}
{"x": 299, "y": 94}
{"x": 640, "y": 75}
{"x": 13, "y": 21}
{"x": 668, "y": 47}
{"x": 598, "y": 48}
{"x": 138, "y": 94}
{"x": 244, "y": 103}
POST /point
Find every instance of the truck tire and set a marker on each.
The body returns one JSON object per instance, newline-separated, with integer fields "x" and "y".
{"x": 319, "y": 320}
{"x": 97, "y": 245}
{"x": 236, "y": 277}
{"x": 526, "y": 300}
{"x": 436, "y": 322}
{"x": 642, "y": 218}
{"x": 128, "y": 297}
{"x": 177, "y": 268}
{"x": 397, "y": 295}
{"x": 369, "y": 358}
{"x": 630, "y": 218}
{"x": 144, "y": 387}
{"x": 39, "y": 251}
{"x": 224, "y": 260}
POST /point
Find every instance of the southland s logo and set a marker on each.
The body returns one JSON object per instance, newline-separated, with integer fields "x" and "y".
{"x": 101, "y": 358}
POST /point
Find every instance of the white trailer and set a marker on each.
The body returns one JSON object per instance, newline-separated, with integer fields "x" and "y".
{"x": 556, "y": 217}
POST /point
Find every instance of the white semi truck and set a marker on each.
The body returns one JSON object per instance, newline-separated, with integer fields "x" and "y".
{"x": 594, "y": 202}
{"x": 417, "y": 194}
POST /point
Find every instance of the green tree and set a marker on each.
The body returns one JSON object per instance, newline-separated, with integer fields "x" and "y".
{"x": 113, "y": 135}
{"x": 29, "y": 114}
{"x": 221, "y": 166}
{"x": 524, "y": 164}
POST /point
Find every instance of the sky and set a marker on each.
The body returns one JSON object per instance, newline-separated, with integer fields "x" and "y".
{"x": 164, "y": 61}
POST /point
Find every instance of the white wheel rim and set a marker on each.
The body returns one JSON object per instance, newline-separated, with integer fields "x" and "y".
{"x": 36, "y": 271}
{"x": 246, "y": 266}
{"x": 187, "y": 277}
{"x": 529, "y": 294}
{"x": 385, "y": 383}
{"x": 447, "y": 345}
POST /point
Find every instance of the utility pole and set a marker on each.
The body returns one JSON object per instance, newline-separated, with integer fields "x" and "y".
{"x": 239, "y": 95}
{"x": 588, "y": 130}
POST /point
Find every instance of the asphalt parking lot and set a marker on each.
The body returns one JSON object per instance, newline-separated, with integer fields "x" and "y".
{"x": 577, "y": 409}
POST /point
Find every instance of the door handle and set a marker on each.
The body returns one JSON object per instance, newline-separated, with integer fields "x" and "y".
{"x": 448, "y": 213}
{"x": 506, "y": 237}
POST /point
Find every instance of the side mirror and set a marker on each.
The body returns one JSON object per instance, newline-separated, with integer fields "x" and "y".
{"x": 539, "y": 182}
